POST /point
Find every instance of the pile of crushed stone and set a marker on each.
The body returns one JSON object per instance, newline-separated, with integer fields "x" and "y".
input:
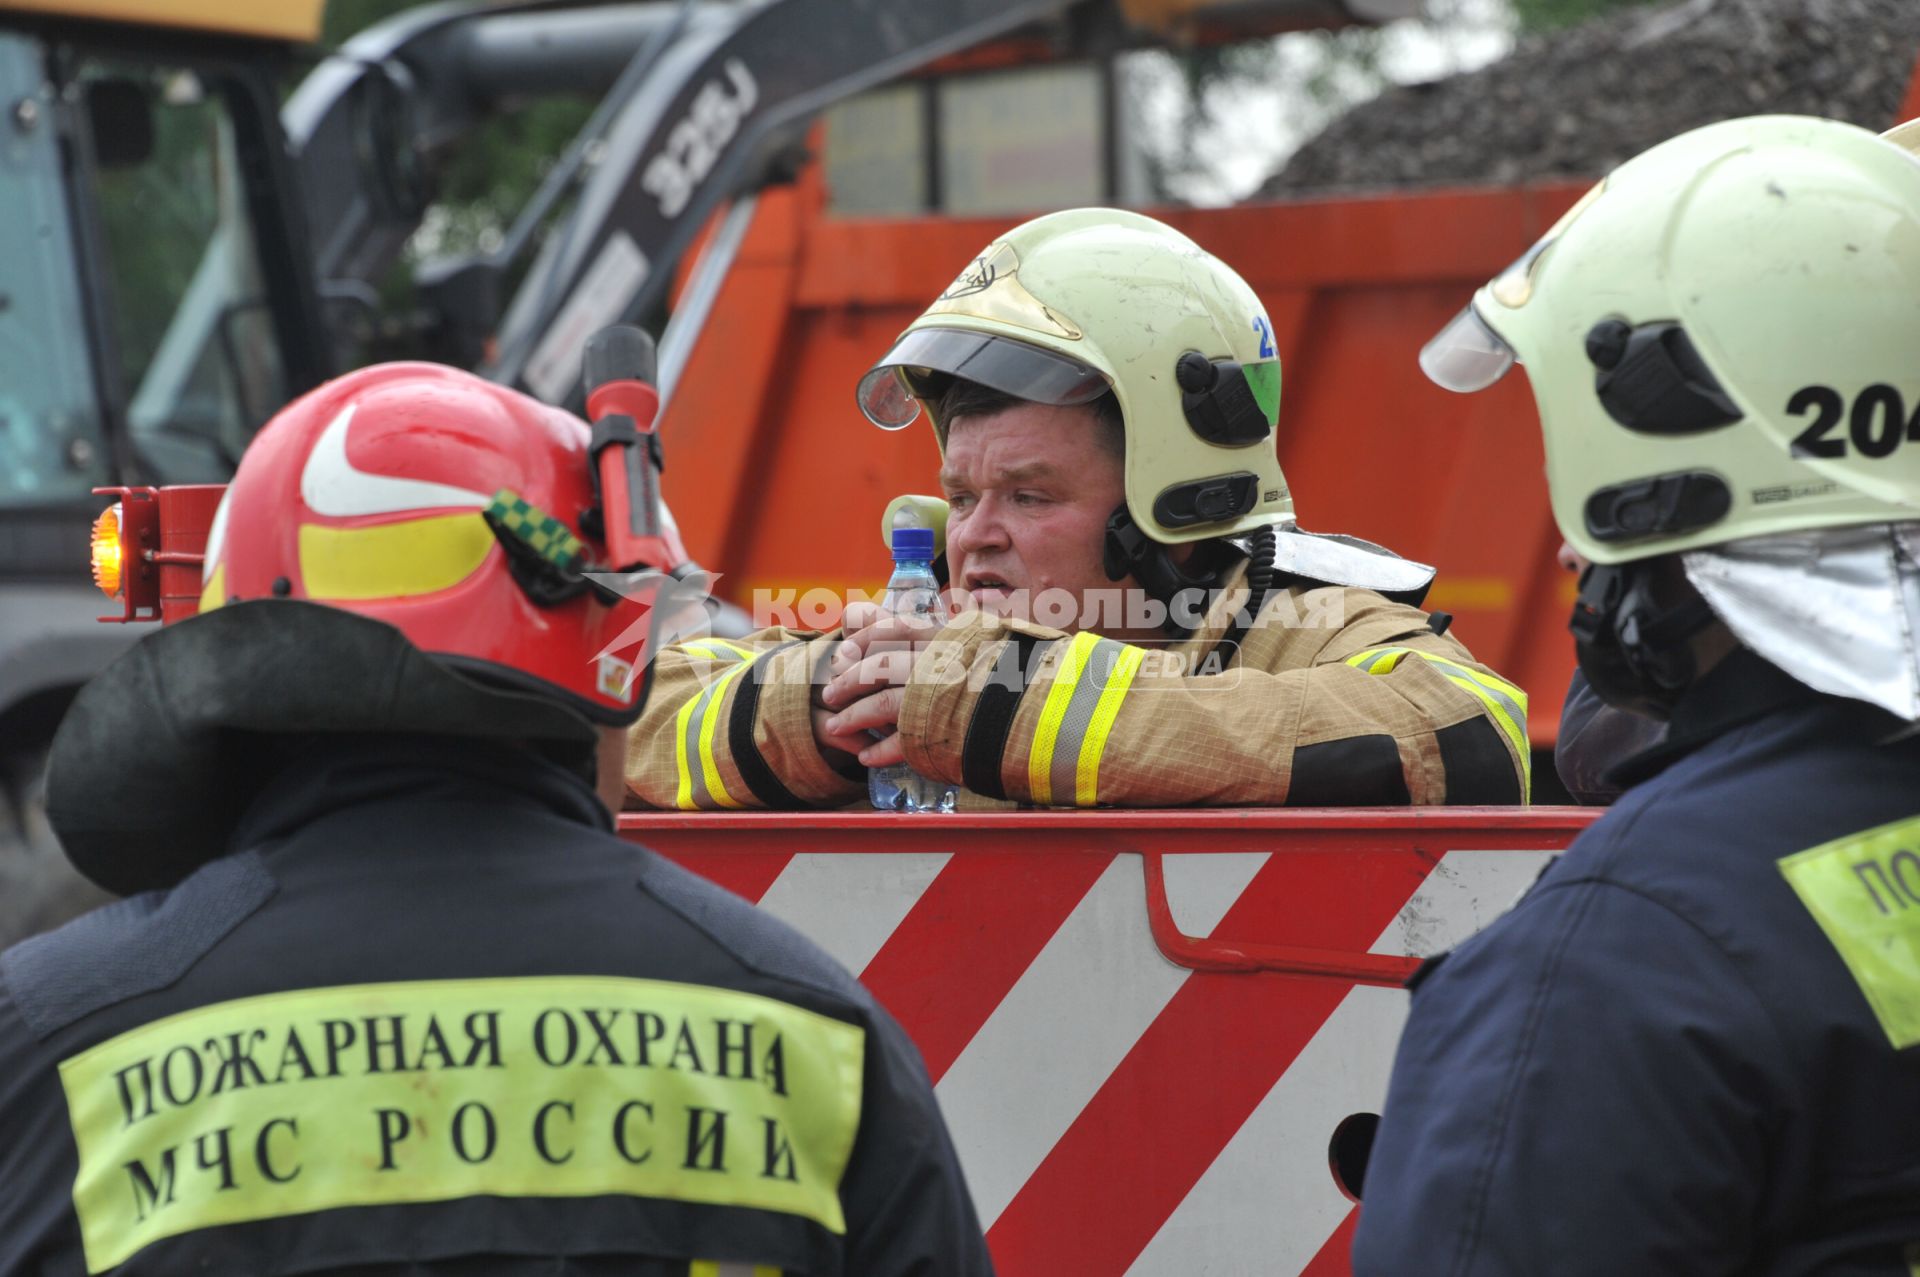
{"x": 1579, "y": 102}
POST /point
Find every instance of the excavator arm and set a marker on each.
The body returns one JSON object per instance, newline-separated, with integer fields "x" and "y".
{"x": 719, "y": 113}
{"x": 700, "y": 102}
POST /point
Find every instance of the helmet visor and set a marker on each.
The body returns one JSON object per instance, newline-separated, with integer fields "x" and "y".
{"x": 1467, "y": 355}
{"x": 924, "y": 362}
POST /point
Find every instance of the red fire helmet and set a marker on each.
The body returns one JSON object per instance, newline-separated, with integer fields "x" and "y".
{"x": 451, "y": 509}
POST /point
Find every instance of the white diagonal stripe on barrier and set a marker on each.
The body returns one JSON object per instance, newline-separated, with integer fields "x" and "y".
{"x": 849, "y": 904}
{"x": 1268, "y": 1203}
{"x": 1191, "y": 897}
{"x": 1465, "y": 891}
{"x": 1071, "y": 1018}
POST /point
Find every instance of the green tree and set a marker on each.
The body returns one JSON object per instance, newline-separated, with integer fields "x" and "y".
{"x": 1552, "y": 15}
{"x": 488, "y": 178}
{"x": 345, "y": 18}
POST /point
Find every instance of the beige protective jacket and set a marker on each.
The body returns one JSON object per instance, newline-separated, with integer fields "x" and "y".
{"x": 1332, "y": 697}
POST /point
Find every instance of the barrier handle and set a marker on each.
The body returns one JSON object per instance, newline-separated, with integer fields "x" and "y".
{"x": 1206, "y": 953}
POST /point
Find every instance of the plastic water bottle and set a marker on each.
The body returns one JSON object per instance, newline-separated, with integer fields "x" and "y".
{"x": 911, "y": 591}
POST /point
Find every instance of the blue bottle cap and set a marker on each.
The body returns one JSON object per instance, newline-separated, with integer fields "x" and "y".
{"x": 912, "y": 545}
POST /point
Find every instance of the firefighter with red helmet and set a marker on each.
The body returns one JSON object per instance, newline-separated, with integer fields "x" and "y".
{"x": 387, "y": 992}
{"x": 1690, "y": 1048}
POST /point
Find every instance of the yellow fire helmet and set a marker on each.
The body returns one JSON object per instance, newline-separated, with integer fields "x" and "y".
{"x": 1068, "y": 306}
{"x": 1721, "y": 339}
{"x": 1073, "y": 304}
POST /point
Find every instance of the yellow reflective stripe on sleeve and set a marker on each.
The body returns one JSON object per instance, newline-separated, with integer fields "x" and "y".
{"x": 1515, "y": 728}
{"x": 683, "y": 794}
{"x": 700, "y": 786}
{"x": 1073, "y": 658}
{"x": 717, "y": 649}
{"x": 710, "y": 765}
{"x": 1864, "y": 891}
{"x": 1505, "y": 703}
{"x": 1379, "y": 660}
{"x": 429, "y": 1091}
{"x": 709, "y": 1268}
{"x": 1087, "y": 783}
{"x": 1085, "y": 697}
{"x": 1493, "y": 683}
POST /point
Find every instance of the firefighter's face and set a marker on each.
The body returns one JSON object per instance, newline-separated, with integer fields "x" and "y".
{"x": 1031, "y": 488}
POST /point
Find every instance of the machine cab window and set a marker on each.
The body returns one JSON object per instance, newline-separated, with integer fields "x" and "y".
{"x": 137, "y": 341}
{"x": 52, "y": 442}
{"x": 191, "y": 340}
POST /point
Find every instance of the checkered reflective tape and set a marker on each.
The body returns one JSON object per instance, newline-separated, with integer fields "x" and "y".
{"x": 539, "y": 531}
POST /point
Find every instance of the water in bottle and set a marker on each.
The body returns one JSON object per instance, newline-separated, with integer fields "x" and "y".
{"x": 911, "y": 591}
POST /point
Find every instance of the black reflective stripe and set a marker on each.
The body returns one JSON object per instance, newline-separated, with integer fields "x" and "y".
{"x": 766, "y": 786}
{"x": 1360, "y": 771}
{"x": 1479, "y": 765}
{"x": 986, "y": 744}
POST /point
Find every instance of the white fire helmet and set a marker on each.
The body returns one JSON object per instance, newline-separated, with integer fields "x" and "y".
{"x": 1068, "y": 306}
{"x": 1723, "y": 339}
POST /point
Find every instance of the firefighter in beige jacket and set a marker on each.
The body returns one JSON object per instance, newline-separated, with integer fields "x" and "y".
{"x": 1140, "y": 622}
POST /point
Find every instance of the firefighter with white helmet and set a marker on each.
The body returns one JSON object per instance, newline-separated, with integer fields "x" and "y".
{"x": 1142, "y": 621}
{"x": 394, "y": 996}
{"x": 1689, "y": 1048}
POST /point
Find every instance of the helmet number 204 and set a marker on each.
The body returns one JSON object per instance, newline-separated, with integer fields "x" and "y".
{"x": 1877, "y": 422}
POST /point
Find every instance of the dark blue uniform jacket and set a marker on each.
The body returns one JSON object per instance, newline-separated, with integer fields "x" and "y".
{"x": 1662, "y": 1061}
{"x": 431, "y": 1016}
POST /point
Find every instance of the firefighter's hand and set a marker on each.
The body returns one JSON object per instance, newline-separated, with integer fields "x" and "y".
{"x": 869, "y": 673}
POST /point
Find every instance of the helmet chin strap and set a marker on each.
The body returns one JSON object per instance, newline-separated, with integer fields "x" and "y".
{"x": 1635, "y": 653}
{"x": 1131, "y": 552}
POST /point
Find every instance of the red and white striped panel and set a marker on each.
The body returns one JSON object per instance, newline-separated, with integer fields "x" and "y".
{"x": 1116, "y": 1112}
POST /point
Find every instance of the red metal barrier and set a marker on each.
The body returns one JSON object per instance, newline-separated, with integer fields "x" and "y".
{"x": 1143, "y": 1026}
{"x": 1426, "y": 831}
